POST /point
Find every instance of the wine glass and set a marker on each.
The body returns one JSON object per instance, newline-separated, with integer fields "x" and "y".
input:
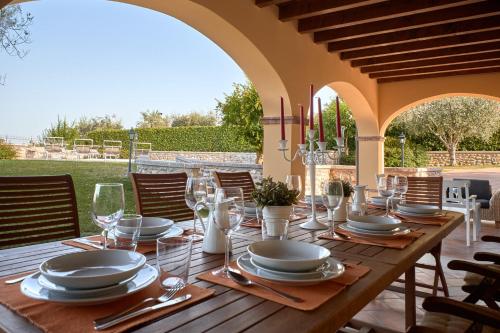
{"x": 294, "y": 182}
{"x": 332, "y": 193}
{"x": 108, "y": 206}
{"x": 228, "y": 214}
{"x": 385, "y": 187}
{"x": 401, "y": 186}
{"x": 196, "y": 192}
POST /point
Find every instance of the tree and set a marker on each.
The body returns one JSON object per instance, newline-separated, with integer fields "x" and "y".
{"x": 453, "y": 119}
{"x": 243, "y": 109}
{"x": 193, "y": 119}
{"x": 14, "y": 31}
{"x": 86, "y": 125}
{"x": 153, "y": 119}
{"x": 62, "y": 128}
{"x": 330, "y": 123}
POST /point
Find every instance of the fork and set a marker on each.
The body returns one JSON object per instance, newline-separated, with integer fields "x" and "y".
{"x": 163, "y": 298}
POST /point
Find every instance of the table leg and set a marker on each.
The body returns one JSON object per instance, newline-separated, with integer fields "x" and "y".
{"x": 410, "y": 307}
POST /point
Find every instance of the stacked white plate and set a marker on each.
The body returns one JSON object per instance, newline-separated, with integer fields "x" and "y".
{"x": 90, "y": 277}
{"x": 152, "y": 228}
{"x": 419, "y": 210}
{"x": 380, "y": 201}
{"x": 290, "y": 262}
{"x": 375, "y": 226}
{"x": 250, "y": 208}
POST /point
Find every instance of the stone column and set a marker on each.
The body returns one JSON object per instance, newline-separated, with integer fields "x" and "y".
{"x": 371, "y": 159}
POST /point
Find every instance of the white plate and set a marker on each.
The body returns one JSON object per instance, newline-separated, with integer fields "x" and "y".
{"x": 245, "y": 264}
{"x": 397, "y": 232}
{"x": 419, "y": 209}
{"x": 380, "y": 200}
{"x": 33, "y": 289}
{"x": 419, "y": 214}
{"x": 288, "y": 255}
{"x": 92, "y": 269}
{"x": 329, "y": 264}
{"x": 149, "y": 226}
{"x": 55, "y": 287}
{"x": 172, "y": 232}
{"x": 371, "y": 222}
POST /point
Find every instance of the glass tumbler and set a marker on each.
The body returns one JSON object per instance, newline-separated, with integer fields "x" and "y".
{"x": 173, "y": 257}
{"x": 275, "y": 229}
{"x": 126, "y": 233}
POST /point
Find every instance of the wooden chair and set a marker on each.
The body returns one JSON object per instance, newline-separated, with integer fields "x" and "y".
{"x": 35, "y": 209}
{"x": 161, "y": 195}
{"x": 236, "y": 179}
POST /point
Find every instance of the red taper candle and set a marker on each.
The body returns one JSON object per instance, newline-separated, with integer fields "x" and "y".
{"x": 302, "y": 125}
{"x": 311, "y": 107}
{"x": 339, "y": 130}
{"x": 320, "y": 122}
{"x": 282, "y": 119}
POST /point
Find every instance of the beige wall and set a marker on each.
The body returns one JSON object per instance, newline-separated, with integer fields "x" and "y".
{"x": 282, "y": 62}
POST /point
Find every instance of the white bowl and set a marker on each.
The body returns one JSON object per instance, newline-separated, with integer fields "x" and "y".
{"x": 288, "y": 255}
{"x": 92, "y": 269}
{"x": 419, "y": 209}
{"x": 370, "y": 222}
{"x": 150, "y": 226}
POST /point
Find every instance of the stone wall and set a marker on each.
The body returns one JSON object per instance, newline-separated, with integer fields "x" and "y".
{"x": 225, "y": 157}
{"x": 441, "y": 158}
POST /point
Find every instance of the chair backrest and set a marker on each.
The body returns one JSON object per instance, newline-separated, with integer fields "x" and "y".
{"x": 456, "y": 192}
{"x": 236, "y": 179}
{"x": 83, "y": 146}
{"x": 112, "y": 147}
{"x": 161, "y": 195}
{"x": 142, "y": 149}
{"x": 425, "y": 191}
{"x": 479, "y": 187}
{"x": 35, "y": 209}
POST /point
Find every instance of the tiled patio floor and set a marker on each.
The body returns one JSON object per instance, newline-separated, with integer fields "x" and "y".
{"x": 387, "y": 310}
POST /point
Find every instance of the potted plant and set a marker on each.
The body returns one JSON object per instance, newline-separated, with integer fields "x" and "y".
{"x": 340, "y": 214}
{"x": 275, "y": 198}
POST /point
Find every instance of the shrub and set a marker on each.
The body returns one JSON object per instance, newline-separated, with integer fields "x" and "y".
{"x": 415, "y": 155}
{"x": 196, "y": 138}
{"x": 7, "y": 152}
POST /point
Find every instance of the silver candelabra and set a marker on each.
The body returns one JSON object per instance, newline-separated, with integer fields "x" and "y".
{"x": 315, "y": 156}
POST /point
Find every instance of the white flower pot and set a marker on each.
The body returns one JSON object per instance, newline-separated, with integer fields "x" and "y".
{"x": 340, "y": 214}
{"x": 276, "y": 212}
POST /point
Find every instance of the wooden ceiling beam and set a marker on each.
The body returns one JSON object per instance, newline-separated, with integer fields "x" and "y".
{"x": 434, "y": 69}
{"x": 428, "y": 76}
{"x": 307, "y": 8}
{"x": 265, "y": 3}
{"x": 376, "y": 12}
{"x": 442, "y": 30}
{"x": 436, "y": 43}
{"x": 468, "y": 58}
{"x": 445, "y": 52}
{"x": 448, "y": 15}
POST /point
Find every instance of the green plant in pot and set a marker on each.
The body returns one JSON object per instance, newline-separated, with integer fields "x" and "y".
{"x": 340, "y": 214}
{"x": 275, "y": 198}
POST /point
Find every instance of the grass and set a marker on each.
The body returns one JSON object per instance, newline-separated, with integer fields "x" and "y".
{"x": 85, "y": 175}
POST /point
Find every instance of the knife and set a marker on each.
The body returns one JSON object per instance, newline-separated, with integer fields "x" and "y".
{"x": 142, "y": 311}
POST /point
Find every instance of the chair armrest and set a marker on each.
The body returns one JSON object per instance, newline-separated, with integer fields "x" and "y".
{"x": 473, "y": 196}
{"x": 490, "y": 238}
{"x": 495, "y": 200}
{"x": 481, "y": 269}
{"x": 487, "y": 256}
{"x": 473, "y": 312}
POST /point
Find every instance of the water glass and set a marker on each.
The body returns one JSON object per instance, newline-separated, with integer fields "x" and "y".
{"x": 356, "y": 209}
{"x": 294, "y": 182}
{"x": 108, "y": 205}
{"x": 173, "y": 257}
{"x": 332, "y": 193}
{"x": 385, "y": 187}
{"x": 126, "y": 233}
{"x": 196, "y": 192}
{"x": 401, "y": 186}
{"x": 275, "y": 229}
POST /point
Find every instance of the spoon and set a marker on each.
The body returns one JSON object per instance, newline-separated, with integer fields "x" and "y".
{"x": 242, "y": 280}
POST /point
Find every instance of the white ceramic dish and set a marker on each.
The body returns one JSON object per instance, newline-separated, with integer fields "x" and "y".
{"x": 323, "y": 269}
{"x": 397, "y": 232}
{"x": 419, "y": 214}
{"x": 288, "y": 255}
{"x": 245, "y": 264}
{"x": 419, "y": 209}
{"x": 55, "y": 287}
{"x": 371, "y": 222}
{"x": 33, "y": 289}
{"x": 380, "y": 200}
{"x": 92, "y": 269}
{"x": 171, "y": 232}
{"x": 149, "y": 226}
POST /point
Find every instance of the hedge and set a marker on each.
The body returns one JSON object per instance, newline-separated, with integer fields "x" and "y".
{"x": 7, "y": 152}
{"x": 192, "y": 138}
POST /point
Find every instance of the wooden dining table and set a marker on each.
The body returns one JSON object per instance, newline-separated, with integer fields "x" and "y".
{"x": 230, "y": 310}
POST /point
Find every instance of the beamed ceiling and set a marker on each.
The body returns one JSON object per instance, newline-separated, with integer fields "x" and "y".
{"x": 395, "y": 40}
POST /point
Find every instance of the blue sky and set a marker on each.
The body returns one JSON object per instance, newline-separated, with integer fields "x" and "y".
{"x": 96, "y": 57}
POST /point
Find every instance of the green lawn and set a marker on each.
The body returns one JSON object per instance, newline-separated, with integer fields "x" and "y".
{"x": 85, "y": 176}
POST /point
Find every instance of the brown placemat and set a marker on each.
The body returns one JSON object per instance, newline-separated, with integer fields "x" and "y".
{"x": 141, "y": 248}
{"x": 61, "y": 318}
{"x": 314, "y": 296}
{"x": 251, "y": 223}
{"x": 396, "y": 243}
{"x": 441, "y": 220}
{"x": 189, "y": 232}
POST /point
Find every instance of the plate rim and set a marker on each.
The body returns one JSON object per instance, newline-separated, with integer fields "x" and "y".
{"x": 404, "y": 232}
